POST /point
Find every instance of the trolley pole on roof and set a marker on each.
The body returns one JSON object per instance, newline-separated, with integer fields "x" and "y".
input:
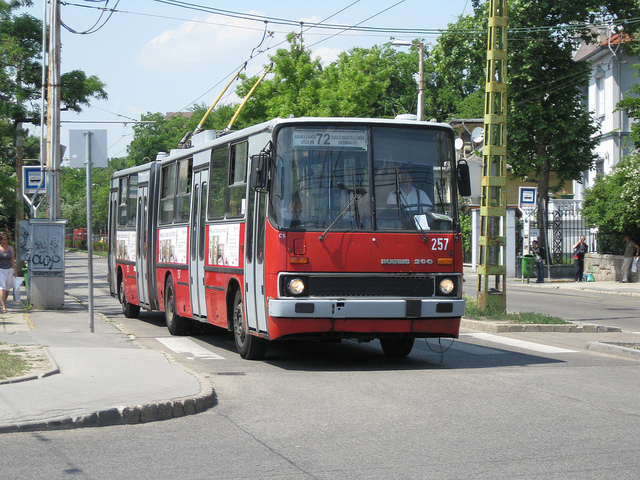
{"x": 493, "y": 203}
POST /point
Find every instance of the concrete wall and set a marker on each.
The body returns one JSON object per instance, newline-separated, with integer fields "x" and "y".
{"x": 606, "y": 267}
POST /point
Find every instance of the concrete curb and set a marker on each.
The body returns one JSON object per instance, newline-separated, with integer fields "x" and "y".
{"x": 506, "y": 327}
{"x": 617, "y": 350}
{"x": 128, "y": 415}
{"x": 52, "y": 371}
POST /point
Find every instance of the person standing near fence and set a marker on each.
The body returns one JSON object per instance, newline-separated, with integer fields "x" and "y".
{"x": 630, "y": 251}
{"x": 538, "y": 253}
{"x": 579, "y": 249}
{"x": 8, "y": 270}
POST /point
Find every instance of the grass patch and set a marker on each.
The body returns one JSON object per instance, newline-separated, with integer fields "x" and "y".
{"x": 11, "y": 365}
{"x": 635, "y": 346}
{"x": 474, "y": 312}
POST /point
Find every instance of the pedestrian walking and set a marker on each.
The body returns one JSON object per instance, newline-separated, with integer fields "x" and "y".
{"x": 8, "y": 270}
{"x": 631, "y": 250}
{"x": 579, "y": 249}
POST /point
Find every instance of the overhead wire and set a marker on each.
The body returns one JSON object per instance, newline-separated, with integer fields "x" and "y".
{"x": 356, "y": 29}
{"x": 352, "y": 29}
{"x": 94, "y": 28}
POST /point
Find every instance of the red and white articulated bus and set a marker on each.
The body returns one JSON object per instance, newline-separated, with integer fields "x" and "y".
{"x": 299, "y": 228}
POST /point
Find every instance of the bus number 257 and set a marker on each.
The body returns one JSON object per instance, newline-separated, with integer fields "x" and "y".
{"x": 439, "y": 243}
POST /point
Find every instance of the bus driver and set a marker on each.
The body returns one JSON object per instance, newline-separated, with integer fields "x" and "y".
{"x": 413, "y": 200}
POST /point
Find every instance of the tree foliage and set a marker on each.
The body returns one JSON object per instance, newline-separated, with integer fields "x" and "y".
{"x": 20, "y": 91}
{"x": 456, "y": 83}
{"x": 363, "y": 82}
{"x": 167, "y": 130}
{"x": 612, "y": 205}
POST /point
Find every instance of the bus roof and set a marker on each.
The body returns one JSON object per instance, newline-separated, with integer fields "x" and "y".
{"x": 270, "y": 126}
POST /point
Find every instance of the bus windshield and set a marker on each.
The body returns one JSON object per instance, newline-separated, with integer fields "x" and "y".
{"x": 362, "y": 178}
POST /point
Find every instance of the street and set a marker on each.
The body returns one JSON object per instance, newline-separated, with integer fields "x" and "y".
{"x": 487, "y": 406}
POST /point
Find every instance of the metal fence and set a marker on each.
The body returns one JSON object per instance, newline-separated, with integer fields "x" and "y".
{"x": 564, "y": 226}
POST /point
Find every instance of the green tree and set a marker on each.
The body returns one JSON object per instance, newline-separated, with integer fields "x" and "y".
{"x": 363, "y": 82}
{"x": 292, "y": 89}
{"x": 20, "y": 90}
{"x": 369, "y": 82}
{"x": 166, "y": 131}
{"x": 456, "y": 83}
{"x": 549, "y": 130}
{"x": 611, "y": 205}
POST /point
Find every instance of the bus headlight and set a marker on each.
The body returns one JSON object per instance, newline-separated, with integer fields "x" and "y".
{"x": 296, "y": 286}
{"x": 446, "y": 286}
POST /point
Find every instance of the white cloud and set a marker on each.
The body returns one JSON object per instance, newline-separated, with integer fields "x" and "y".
{"x": 201, "y": 41}
{"x": 326, "y": 54}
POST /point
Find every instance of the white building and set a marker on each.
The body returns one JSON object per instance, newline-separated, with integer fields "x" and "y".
{"x": 612, "y": 75}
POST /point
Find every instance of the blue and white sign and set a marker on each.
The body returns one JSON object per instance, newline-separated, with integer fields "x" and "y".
{"x": 527, "y": 197}
{"x": 33, "y": 179}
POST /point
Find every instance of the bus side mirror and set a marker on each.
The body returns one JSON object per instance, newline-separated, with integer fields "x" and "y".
{"x": 259, "y": 170}
{"x": 464, "y": 179}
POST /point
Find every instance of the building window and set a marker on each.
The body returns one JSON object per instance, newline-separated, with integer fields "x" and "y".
{"x": 600, "y": 97}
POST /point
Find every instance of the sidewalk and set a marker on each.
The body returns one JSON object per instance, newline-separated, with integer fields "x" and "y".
{"x": 615, "y": 288}
{"x": 92, "y": 379}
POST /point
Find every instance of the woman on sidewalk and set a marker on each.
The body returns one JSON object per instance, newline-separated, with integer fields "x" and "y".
{"x": 8, "y": 270}
{"x": 579, "y": 249}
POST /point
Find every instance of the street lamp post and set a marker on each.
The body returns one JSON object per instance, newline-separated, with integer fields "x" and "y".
{"x": 420, "y": 45}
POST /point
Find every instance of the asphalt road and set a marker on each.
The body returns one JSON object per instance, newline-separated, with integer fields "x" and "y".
{"x": 534, "y": 406}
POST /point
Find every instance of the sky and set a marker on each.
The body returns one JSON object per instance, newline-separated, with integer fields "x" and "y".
{"x": 166, "y": 55}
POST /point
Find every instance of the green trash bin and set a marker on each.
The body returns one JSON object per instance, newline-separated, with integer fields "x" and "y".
{"x": 528, "y": 264}
{"x": 25, "y": 271}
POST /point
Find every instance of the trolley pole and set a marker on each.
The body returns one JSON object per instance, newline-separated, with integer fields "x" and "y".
{"x": 493, "y": 203}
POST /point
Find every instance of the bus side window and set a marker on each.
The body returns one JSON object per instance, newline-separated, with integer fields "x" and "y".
{"x": 218, "y": 180}
{"x": 237, "y": 179}
{"x": 132, "y": 200}
{"x": 167, "y": 196}
{"x": 184, "y": 190}
{"x": 122, "y": 201}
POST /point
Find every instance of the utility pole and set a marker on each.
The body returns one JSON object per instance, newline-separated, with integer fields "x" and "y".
{"x": 493, "y": 201}
{"x": 47, "y": 236}
{"x": 53, "y": 113}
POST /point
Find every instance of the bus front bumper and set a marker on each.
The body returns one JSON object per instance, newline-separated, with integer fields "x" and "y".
{"x": 366, "y": 308}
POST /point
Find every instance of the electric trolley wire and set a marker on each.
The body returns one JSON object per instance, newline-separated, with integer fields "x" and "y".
{"x": 351, "y": 29}
{"x": 94, "y": 28}
{"x": 357, "y": 29}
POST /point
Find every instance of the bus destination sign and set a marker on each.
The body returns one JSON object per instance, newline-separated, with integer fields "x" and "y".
{"x": 325, "y": 139}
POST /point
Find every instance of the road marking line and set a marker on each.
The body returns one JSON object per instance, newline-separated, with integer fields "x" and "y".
{"x": 512, "y": 342}
{"x": 187, "y": 346}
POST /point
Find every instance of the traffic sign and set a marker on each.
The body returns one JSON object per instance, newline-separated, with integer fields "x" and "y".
{"x": 33, "y": 179}
{"x": 527, "y": 197}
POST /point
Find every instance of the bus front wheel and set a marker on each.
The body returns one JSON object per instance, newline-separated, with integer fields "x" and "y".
{"x": 129, "y": 310}
{"x": 397, "y": 347}
{"x": 249, "y": 346}
{"x": 176, "y": 324}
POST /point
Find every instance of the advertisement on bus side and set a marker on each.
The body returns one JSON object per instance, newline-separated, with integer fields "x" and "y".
{"x": 224, "y": 245}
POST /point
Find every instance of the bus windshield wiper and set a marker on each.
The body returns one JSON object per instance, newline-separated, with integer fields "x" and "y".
{"x": 358, "y": 192}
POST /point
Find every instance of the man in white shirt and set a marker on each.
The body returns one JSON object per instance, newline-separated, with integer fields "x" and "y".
{"x": 413, "y": 200}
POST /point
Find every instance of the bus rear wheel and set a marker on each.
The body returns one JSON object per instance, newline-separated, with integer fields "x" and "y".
{"x": 249, "y": 346}
{"x": 397, "y": 347}
{"x": 129, "y": 310}
{"x": 176, "y": 324}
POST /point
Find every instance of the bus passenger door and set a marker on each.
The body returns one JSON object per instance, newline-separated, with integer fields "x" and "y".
{"x": 197, "y": 243}
{"x": 255, "y": 300}
{"x": 143, "y": 238}
{"x": 113, "y": 230}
